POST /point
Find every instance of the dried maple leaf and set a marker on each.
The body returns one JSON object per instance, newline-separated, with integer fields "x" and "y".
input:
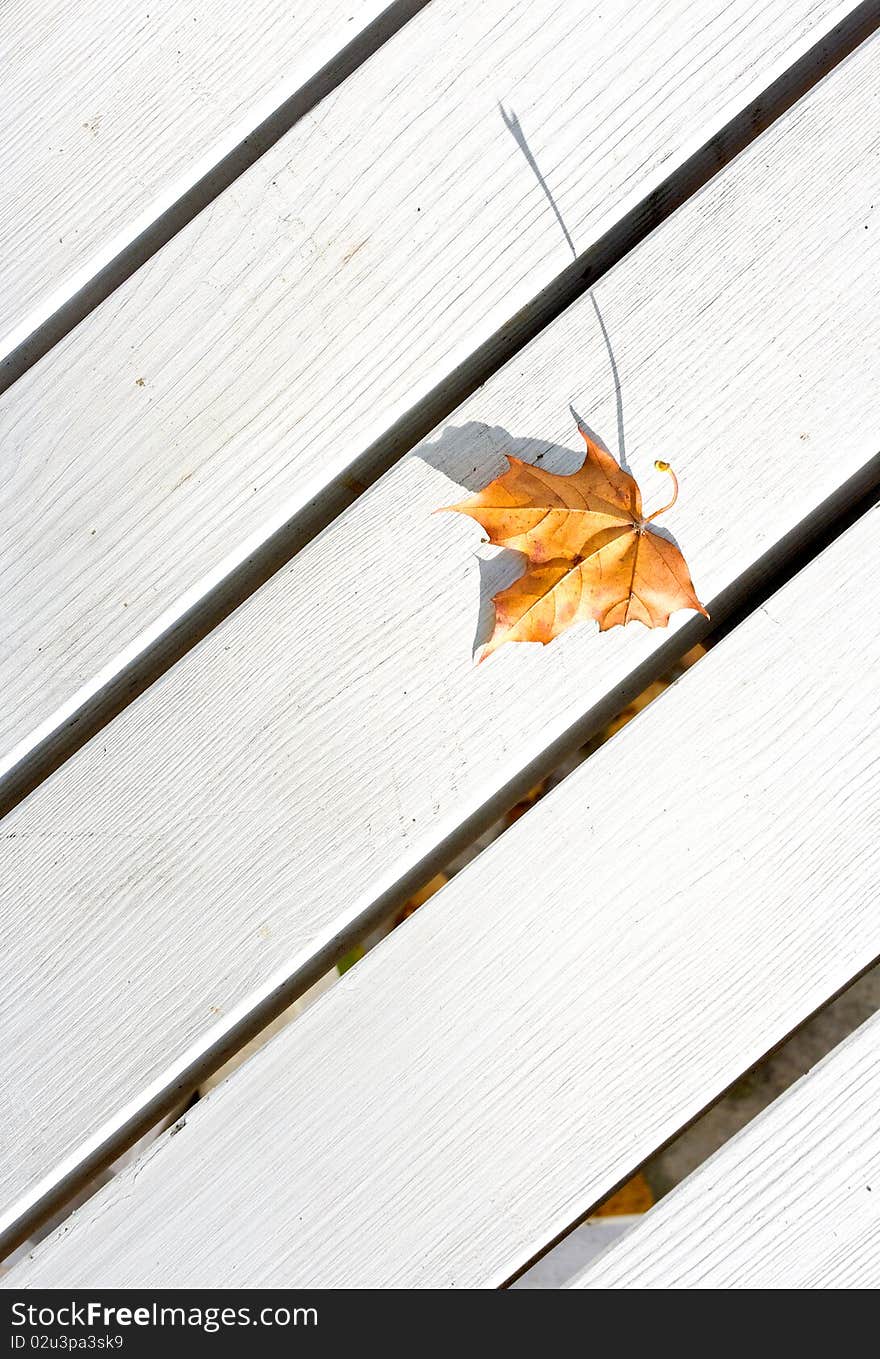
{"x": 590, "y": 551}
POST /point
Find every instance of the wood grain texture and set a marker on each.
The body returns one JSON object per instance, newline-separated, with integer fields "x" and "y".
{"x": 250, "y": 364}
{"x": 110, "y": 114}
{"x": 561, "y": 1008}
{"x": 793, "y": 1201}
{"x": 312, "y": 759}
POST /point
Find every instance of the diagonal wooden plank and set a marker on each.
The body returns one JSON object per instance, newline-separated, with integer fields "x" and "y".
{"x": 232, "y": 395}
{"x": 790, "y": 1202}
{"x": 574, "y": 997}
{"x": 320, "y": 753}
{"x": 113, "y": 118}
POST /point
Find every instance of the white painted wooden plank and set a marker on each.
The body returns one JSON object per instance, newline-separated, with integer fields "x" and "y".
{"x": 793, "y": 1201}
{"x": 247, "y": 367}
{"x": 317, "y": 754}
{"x": 110, "y": 113}
{"x": 563, "y": 1006}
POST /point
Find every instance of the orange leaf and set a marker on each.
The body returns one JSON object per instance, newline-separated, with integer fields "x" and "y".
{"x": 590, "y": 551}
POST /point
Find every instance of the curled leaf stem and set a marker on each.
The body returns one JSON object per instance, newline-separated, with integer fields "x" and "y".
{"x": 664, "y": 467}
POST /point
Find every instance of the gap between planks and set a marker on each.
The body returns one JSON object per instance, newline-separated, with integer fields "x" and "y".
{"x": 777, "y": 1046}
{"x": 193, "y": 615}
{"x": 790, "y": 1202}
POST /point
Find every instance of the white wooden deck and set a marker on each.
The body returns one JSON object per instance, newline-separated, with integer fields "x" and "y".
{"x": 240, "y": 383}
{"x": 665, "y": 215}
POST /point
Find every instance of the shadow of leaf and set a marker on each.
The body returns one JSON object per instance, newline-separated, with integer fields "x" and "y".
{"x": 472, "y": 455}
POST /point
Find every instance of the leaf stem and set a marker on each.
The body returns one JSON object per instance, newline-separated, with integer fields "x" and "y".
{"x": 664, "y": 467}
